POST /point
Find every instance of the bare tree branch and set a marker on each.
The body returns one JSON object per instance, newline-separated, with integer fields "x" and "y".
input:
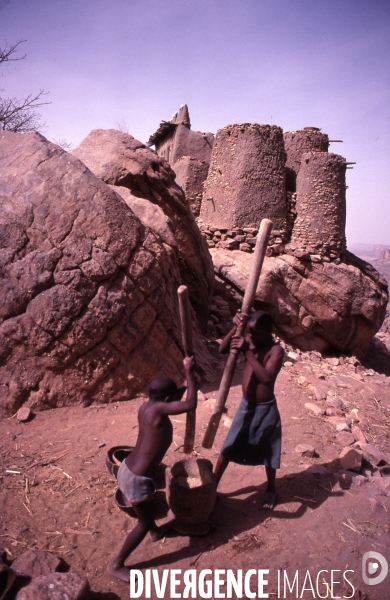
{"x": 19, "y": 115}
{"x": 7, "y": 52}
{"x": 64, "y": 144}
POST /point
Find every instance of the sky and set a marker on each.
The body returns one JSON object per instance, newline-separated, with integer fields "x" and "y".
{"x": 128, "y": 64}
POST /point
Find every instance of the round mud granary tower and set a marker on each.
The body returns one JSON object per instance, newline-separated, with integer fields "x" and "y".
{"x": 246, "y": 179}
{"x": 321, "y": 208}
{"x": 296, "y": 143}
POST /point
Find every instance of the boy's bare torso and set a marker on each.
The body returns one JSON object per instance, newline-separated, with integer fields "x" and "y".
{"x": 254, "y": 390}
{"x": 154, "y": 439}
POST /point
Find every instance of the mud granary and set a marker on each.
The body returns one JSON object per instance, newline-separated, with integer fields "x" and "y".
{"x": 188, "y": 153}
{"x": 292, "y": 179}
{"x": 252, "y": 171}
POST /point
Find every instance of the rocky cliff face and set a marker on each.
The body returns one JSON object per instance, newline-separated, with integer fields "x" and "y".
{"x": 315, "y": 305}
{"x": 118, "y": 159}
{"x": 89, "y": 307}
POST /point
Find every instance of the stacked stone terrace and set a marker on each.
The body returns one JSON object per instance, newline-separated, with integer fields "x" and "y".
{"x": 257, "y": 173}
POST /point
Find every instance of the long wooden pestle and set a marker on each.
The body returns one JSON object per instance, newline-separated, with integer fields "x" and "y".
{"x": 186, "y": 333}
{"x": 250, "y": 291}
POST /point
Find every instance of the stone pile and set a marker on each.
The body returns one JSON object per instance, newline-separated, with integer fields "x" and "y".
{"x": 244, "y": 239}
{"x": 220, "y": 319}
{"x": 240, "y": 239}
{"x": 328, "y": 384}
{"x": 255, "y": 172}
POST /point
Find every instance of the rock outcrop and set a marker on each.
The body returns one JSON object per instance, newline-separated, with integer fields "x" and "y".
{"x": 89, "y": 307}
{"x": 316, "y": 306}
{"x": 118, "y": 159}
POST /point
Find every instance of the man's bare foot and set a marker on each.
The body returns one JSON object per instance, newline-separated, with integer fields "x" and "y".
{"x": 160, "y": 532}
{"x": 122, "y": 573}
{"x": 269, "y": 501}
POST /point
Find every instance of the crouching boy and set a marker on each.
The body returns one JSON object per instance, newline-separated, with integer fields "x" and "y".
{"x": 154, "y": 438}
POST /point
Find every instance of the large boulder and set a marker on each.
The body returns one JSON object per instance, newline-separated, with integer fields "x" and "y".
{"x": 315, "y": 305}
{"x": 89, "y": 307}
{"x": 119, "y": 159}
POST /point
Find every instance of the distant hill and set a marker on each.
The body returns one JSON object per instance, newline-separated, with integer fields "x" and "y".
{"x": 383, "y": 268}
{"x": 371, "y": 253}
{"x": 368, "y": 251}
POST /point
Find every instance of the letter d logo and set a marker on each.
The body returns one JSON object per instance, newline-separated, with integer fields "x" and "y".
{"x": 372, "y": 567}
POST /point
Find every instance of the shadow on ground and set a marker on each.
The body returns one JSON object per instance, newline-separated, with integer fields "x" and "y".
{"x": 377, "y": 357}
{"x": 233, "y": 516}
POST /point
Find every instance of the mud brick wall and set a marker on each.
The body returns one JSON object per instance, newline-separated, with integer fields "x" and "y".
{"x": 164, "y": 149}
{"x": 320, "y": 204}
{"x": 246, "y": 179}
{"x": 181, "y": 141}
{"x": 190, "y": 175}
{"x": 296, "y": 143}
{"x": 191, "y": 143}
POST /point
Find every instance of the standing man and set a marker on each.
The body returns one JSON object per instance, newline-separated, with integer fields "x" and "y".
{"x": 256, "y": 433}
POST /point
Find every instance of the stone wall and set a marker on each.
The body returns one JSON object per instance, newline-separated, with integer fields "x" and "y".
{"x": 246, "y": 180}
{"x": 296, "y": 143}
{"x": 319, "y": 228}
{"x": 243, "y": 239}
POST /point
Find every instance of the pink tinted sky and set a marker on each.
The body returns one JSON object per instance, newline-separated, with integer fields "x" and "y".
{"x": 292, "y": 63}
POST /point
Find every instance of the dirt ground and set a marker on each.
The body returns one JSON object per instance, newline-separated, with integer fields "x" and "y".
{"x": 56, "y": 493}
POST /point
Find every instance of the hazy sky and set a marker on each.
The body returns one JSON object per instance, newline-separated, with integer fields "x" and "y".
{"x": 292, "y": 63}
